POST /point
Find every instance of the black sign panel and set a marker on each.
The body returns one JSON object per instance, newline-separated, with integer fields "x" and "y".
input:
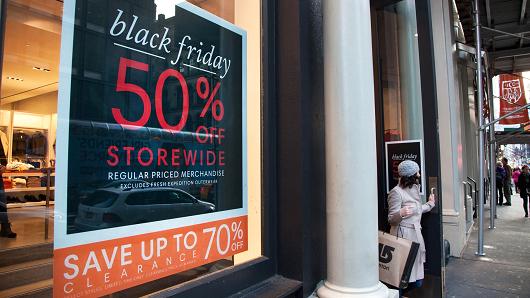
{"x": 396, "y": 152}
{"x": 155, "y": 119}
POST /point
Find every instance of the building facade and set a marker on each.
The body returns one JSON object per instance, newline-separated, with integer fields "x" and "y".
{"x": 312, "y": 96}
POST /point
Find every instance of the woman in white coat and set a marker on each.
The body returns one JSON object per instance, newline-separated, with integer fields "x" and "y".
{"x": 404, "y": 215}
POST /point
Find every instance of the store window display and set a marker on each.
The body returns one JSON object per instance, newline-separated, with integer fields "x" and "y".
{"x": 29, "y": 109}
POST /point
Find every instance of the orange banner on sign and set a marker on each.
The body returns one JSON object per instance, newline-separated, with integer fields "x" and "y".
{"x": 101, "y": 268}
{"x": 512, "y": 97}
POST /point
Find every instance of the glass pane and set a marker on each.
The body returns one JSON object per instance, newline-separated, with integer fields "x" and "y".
{"x": 398, "y": 44}
{"x": 101, "y": 198}
{"x": 29, "y": 131}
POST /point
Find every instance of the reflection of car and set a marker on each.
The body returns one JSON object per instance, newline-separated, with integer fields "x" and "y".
{"x": 113, "y": 207}
{"x": 114, "y": 184}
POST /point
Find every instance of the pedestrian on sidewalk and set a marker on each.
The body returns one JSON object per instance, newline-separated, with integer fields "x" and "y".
{"x": 515, "y": 177}
{"x": 404, "y": 215}
{"x": 507, "y": 182}
{"x": 524, "y": 184}
{"x": 500, "y": 174}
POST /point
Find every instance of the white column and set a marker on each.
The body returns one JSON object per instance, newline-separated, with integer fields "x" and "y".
{"x": 351, "y": 181}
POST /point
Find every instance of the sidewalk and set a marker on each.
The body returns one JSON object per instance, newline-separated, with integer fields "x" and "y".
{"x": 505, "y": 270}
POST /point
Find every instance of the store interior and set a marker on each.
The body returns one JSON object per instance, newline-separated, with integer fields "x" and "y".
{"x": 28, "y": 118}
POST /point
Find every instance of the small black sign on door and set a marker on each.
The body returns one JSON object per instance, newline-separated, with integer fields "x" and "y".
{"x": 398, "y": 151}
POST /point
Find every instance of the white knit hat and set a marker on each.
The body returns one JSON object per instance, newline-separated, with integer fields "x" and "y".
{"x": 408, "y": 168}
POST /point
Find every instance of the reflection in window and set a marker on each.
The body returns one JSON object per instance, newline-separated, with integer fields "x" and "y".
{"x": 401, "y": 80}
{"x": 29, "y": 107}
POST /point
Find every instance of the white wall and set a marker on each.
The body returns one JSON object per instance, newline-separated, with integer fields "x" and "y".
{"x": 45, "y": 104}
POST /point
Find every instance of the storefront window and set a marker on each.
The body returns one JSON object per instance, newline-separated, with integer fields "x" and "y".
{"x": 398, "y": 39}
{"x": 400, "y": 88}
{"x": 130, "y": 122}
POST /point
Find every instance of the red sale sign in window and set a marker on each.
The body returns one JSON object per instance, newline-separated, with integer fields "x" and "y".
{"x": 151, "y": 167}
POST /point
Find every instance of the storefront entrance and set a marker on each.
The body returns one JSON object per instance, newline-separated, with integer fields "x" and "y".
{"x": 406, "y": 117}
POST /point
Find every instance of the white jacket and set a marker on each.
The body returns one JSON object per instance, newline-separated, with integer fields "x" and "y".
{"x": 409, "y": 228}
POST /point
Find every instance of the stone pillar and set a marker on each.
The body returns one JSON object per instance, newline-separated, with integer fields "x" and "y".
{"x": 351, "y": 178}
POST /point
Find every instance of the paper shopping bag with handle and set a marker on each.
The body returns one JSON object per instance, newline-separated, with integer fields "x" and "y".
{"x": 396, "y": 258}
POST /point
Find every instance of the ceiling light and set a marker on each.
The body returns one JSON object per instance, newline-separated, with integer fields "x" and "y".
{"x": 41, "y": 69}
{"x": 15, "y": 79}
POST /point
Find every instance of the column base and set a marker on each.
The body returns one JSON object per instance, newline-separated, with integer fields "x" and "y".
{"x": 329, "y": 290}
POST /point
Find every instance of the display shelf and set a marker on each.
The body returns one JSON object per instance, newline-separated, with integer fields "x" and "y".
{"x": 23, "y": 174}
{"x": 28, "y": 204}
{"x": 27, "y": 189}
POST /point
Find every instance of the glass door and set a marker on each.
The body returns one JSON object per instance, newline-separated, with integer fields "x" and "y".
{"x": 406, "y": 112}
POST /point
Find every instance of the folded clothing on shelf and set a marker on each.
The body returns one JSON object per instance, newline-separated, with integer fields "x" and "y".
{"x": 19, "y": 166}
{"x": 27, "y": 198}
{"x": 8, "y": 183}
{"x": 11, "y": 199}
{"x": 33, "y": 182}
{"x": 19, "y": 182}
{"x": 44, "y": 181}
{"x": 31, "y": 198}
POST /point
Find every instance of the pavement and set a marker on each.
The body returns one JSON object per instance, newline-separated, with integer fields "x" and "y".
{"x": 505, "y": 269}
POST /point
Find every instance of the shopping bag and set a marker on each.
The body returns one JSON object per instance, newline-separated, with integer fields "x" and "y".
{"x": 396, "y": 259}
